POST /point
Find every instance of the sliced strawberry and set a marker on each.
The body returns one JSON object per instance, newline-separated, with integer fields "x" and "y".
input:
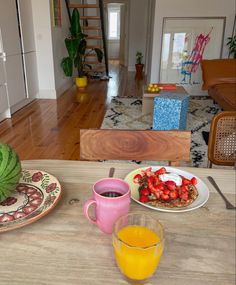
{"x": 156, "y": 180}
{"x": 160, "y": 171}
{"x": 166, "y": 192}
{"x": 165, "y": 197}
{"x": 184, "y": 188}
{"x": 150, "y": 179}
{"x": 137, "y": 178}
{"x": 144, "y": 192}
{"x": 194, "y": 181}
{"x": 184, "y": 196}
{"x": 157, "y": 194}
{"x": 144, "y": 199}
{"x": 186, "y": 181}
{"x": 174, "y": 194}
{"x": 161, "y": 186}
{"x": 171, "y": 185}
{"x": 153, "y": 189}
{"x": 148, "y": 172}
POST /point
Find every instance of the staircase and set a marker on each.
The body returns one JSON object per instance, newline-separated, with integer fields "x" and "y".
{"x": 92, "y": 17}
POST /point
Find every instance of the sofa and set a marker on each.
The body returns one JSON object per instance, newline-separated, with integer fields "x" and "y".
{"x": 219, "y": 78}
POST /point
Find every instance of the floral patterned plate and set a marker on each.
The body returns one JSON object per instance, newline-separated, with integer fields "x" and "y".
{"x": 36, "y": 195}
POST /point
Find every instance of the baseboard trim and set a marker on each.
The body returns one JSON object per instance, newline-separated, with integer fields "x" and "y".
{"x": 5, "y": 115}
{"x": 20, "y": 105}
{"x": 47, "y": 94}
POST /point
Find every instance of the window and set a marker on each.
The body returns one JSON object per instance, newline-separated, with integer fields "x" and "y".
{"x": 114, "y": 23}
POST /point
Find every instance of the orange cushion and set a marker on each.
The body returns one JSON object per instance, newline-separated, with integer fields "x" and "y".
{"x": 217, "y": 71}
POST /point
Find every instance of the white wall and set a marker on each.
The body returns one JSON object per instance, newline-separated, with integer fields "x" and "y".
{"x": 50, "y": 49}
{"x": 43, "y": 43}
{"x": 62, "y": 83}
{"x": 188, "y": 8}
{"x": 137, "y": 30}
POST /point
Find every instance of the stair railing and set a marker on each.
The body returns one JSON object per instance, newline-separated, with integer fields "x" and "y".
{"x": 101, "y": 7}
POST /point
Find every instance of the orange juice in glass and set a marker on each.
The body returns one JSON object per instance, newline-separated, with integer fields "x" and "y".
{"x": 138, "y": 242}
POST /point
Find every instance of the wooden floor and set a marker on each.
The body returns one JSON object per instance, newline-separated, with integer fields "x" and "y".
{"x": 49, "y": 129}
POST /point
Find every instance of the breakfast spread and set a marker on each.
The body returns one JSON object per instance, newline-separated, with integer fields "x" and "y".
{"x": 165, "y": 189}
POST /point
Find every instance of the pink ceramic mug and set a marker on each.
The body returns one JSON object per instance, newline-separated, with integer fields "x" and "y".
{"x": 111, "y": 197}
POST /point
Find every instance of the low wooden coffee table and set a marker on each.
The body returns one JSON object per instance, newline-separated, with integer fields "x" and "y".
{"x": 147, "y": 107}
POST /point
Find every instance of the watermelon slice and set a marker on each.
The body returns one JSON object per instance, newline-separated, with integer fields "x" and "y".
{"x": 10, "y": 170}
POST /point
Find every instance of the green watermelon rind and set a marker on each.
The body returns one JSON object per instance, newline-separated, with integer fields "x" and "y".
{"x": 15, "y": 171}
{"x": 14, "y": 179}
{"x": 13, "y": 164}
{"x": 4, "y": 157}
{"x": 6, "y": 190}
{"x": 10, "y": 170}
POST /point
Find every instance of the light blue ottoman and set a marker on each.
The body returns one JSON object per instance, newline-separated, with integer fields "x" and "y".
{"x": 170, "y": 111}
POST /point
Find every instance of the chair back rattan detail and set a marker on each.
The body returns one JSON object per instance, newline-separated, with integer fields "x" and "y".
{"x": 222, "y": 139}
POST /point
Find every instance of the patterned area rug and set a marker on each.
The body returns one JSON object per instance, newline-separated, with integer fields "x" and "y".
{"x": 127, "y": 114}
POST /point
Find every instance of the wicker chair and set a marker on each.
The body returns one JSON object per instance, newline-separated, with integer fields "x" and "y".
{"x": 222, "y": 139}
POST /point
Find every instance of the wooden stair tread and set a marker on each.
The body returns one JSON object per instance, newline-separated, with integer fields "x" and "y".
{"x": 83, "y": 5}
{"x": 90, "y": 18}
{"x": 93, "y": 62}
{"x": 102, "y": 69}
{"x": 91, "y": 28}
{"x": 94, "y": 38}
{"x": 91, "y": 55}
{"x": 94, "y": 46}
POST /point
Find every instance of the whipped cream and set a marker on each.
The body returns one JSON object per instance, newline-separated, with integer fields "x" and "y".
{"x": 171, "y": 177}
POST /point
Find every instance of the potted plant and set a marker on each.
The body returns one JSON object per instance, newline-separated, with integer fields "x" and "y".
{"x": 232, "y": 45}
{"x": 76, "y": 46}
{"x": 139, "y": 65}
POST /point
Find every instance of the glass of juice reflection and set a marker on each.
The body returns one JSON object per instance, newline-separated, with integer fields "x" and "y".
{"x": 138, "y": 241}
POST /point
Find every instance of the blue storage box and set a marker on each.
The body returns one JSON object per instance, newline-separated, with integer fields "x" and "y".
{"x": 170, "y": 111}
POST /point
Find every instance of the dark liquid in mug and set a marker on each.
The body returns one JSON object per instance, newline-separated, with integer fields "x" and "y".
{"x": 111, "y": 194}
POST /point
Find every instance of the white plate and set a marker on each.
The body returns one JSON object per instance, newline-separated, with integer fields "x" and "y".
{"x": 203, "y": 191}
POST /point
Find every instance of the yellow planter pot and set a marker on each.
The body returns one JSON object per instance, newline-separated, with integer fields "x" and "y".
{"x": 81, "y": 82}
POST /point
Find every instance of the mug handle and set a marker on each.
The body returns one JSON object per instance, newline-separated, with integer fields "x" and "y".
{"x": 86, "y": 209}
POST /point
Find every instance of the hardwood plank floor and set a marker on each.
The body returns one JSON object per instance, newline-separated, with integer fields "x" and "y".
{"x": 49, "y": 129}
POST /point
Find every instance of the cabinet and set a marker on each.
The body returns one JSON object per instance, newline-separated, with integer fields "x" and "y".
{"x": 11, "y": 49}
{"x": 19, "y": 85}
{"x": 3, "y": 91}
{"x": 28, "y": 47}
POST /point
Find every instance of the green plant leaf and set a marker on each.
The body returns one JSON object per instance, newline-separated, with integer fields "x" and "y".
{"x": 232, "y": 45}
{"x": 71, "y": 46}
{"x": 99, "y": 54}
{"x": 82, "y": 47}
{"x": 67, "y": 66}
{"x": 75, "y": 23}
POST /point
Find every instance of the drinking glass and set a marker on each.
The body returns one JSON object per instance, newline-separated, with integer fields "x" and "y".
{"x": 138, "y": 242}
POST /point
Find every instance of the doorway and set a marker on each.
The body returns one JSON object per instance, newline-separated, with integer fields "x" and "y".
{"x": 117, "y": 32}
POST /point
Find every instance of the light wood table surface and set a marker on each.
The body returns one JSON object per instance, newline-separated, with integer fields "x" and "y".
{"x": 64, "y": 248}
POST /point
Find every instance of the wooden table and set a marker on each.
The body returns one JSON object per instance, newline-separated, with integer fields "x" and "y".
{"x": 63, "y": 248}
{"x": 148, "y": 97}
